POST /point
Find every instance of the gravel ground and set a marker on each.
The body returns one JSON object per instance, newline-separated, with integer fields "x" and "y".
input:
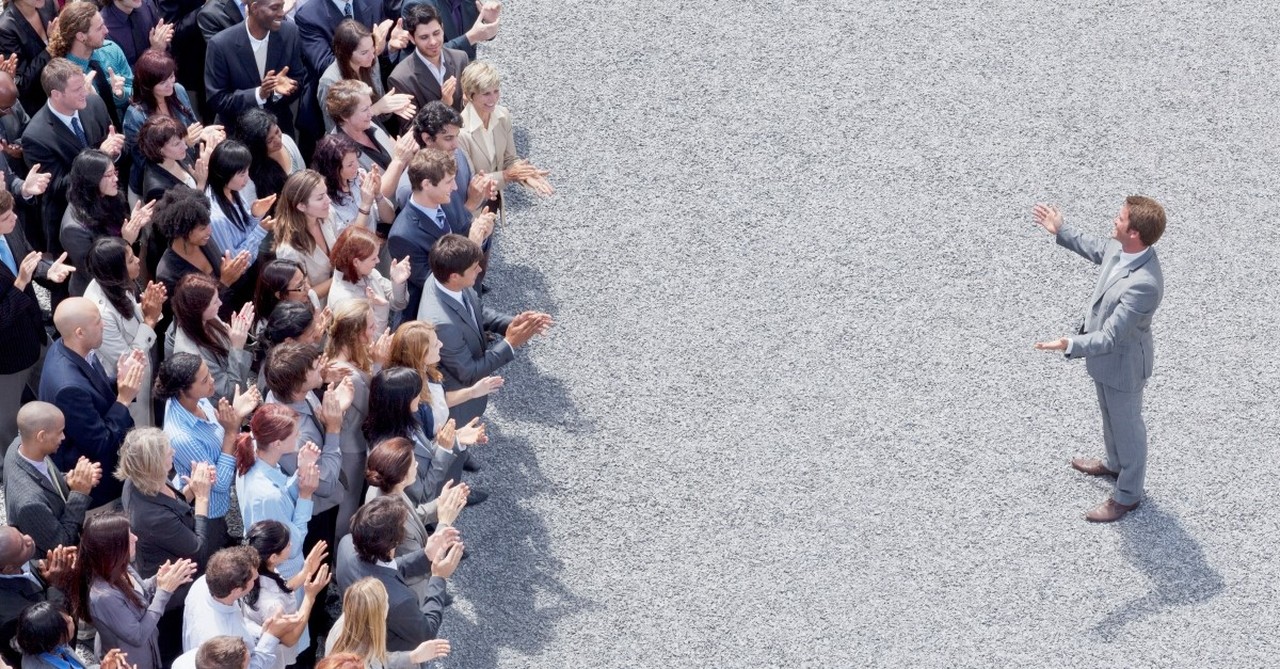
{"x": 790, "y": 414}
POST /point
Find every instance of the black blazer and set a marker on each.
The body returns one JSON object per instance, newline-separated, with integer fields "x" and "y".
{"x": 231, "y": 77}
{"x": 17, "y": 594}
{"x": 216, "y": 16}
{"x": 316, "y": 23}
{"x": 49, "y": 142}
{"x": 412, "y": 76}
{"x": 413, "y": 234}
{"x": 21, "y": 321}
{"x": 409, "y": 622}
{"x": 17, "y": 36}
{"x": 156, "y": 180}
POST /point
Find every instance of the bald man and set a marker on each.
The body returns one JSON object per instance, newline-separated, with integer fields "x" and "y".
{"x": 40, "y": 501}
{"x": 24, "y": 581}
{"x": 97, "y": 415}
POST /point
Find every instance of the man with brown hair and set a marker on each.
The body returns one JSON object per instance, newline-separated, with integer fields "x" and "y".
{"x": 1115, "y": 340}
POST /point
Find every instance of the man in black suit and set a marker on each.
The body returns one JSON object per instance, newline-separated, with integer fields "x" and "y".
{"x": 218, "y": 15}
{"x": 423, "y": 219}
{"x": 317, "y": 21}
{"x": 75, "y": 381}
{"x": 466, "y": 23}
{"x": 25, "y": 581}
{"x": 71, "y": 121}
{"x": 38, "y": 499}
{"x": 21, "y": 321}
{"x": 376, "y": 529}
{"x": 257, "y": 64}
{"x": 432, "y": 72}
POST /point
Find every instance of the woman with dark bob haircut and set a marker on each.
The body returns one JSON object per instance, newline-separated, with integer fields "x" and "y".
{"x": 156, "y": 92}
{"x": 271, "y": 593}
{"x": 95, "y": 209}
{"x": 44, "y": 635}
{"x": 275, "y": 155}
{"x": 163, "y": 143}
{"x": 282, "y": 281}
{"x": 109, "y": 593}
{"x": 393, "y": 412}
{"x": 239, "y": 224}
{"x": 183, "y": 216}
{"x": 337, "y": 159}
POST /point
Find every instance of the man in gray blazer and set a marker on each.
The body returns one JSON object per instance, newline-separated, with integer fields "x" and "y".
{"x": 1115, "y": 340}
{"x": 38, "y": 499}
{"x": 474, "y": 341}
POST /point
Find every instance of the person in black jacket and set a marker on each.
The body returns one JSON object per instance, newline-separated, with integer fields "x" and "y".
{"x": 20, "y": 36}
{"x": 238, "y": 79}
{"x": 27, "y": 581}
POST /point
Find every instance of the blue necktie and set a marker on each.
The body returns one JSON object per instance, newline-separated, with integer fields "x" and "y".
{"x": 346, "y": 10}
{"x": 6, "y": 255}
{"x": 79, "y": 131}
{"x": 440, "y": 220}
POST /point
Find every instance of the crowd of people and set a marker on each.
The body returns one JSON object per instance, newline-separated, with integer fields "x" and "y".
{"x": 240, "y": 434}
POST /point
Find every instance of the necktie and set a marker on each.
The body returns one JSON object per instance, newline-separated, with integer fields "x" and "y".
{"x": 455, "y": 9}
{"x": 440, "y": 221}
{"x": 471, "y": 310}
{"x": 97, "y": 365}
{"x": 79, "y": 131}
{"x": 346, "y": 10}
{"x": 6, "y": 255}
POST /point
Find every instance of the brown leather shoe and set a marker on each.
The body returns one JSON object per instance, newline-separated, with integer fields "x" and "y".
{"x": 1109, "y": 511}
{"x": 1092, "y": 467}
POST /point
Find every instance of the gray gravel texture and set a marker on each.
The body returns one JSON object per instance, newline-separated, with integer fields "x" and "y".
{"x": 790, "y": 415}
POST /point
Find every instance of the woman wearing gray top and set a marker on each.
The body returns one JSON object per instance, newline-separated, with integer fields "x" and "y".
{"x": 355, "y": 56}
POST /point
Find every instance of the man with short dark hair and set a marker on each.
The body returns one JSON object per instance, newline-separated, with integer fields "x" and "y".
{"x": 256, "y": 64}
{"x": 211, "y": 607}
{"x": 1115, "y": 340}
{"x": 220, "y": 652}
{"x": 432, "y": 71}
{"x": 466, "y": 23}
{"x": 369, "y": 550}
{"x": 38, "y": 499}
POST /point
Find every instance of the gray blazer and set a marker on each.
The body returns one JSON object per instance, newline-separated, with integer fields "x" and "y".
{"x": 467, "y": 354}
{"x": 408, "y": 624}
{"x": 1116, "y": 338}
{"x": 122, "y": 625}
{"x": 48, "y": 511}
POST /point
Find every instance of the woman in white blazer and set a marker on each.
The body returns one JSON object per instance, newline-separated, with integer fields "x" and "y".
{"x": 126, "y": 323}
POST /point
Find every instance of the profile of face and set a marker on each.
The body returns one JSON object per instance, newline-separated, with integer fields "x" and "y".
{"x": 52, "y": 438}
{"x": 237, "y": 182}
{"x": 211, "y": 309}
{"x": 350, "y": 168}
{"x": 109, "y": 184}
{"x": 433, "y": 350}
{"x": 469, "y": 277}
{"x": 363, "y": 56}
{"x": 315, "y": 376}
{"x": 9, "y": 221}
{"x": 275, "y": 140}
{"x": 202, "y": 386}
{"x": 362, "y": 117}
{"x": 365, "y": 265}
{"x": 174, "y": 149}
{"x": 200, "y": 235}
{"x": 97, "y": 33}
{"x": 1121, "y": 232}
{"x": 316, "y": 205}
{"x": 429, "y": 39}
{"x": 440, "y": 193}
{"x": 446, "y": 140}
{"x": 133, "y": 264}
{"x": 298, "y": 290}
{"x": 91, "y": 334}
{"x": 18, "y": 547}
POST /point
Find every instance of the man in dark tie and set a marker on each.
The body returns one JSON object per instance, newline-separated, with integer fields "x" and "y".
{"x": 423, "y": 220}
{"x": 72, "y": 120}
{"x": 97, "y": 416}
{"x": 39, "y": 500}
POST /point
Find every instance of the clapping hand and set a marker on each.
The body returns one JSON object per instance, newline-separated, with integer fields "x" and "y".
{"x": 59, "y": 270}
{"x": 400, "y": 104}
{"x": 308, "y": 455}
{"x": 161, "y": 35}
{"x": 308, "y": 480}
{"x": 241, "y": 321}
{"x": 37, "y": 182}
{"x": 116, "y": 659}
{"x": 370, "y": 185}
{"x": 233, "y": 267}
{"x": 406, "y": 147}
{"x": 400, "y": 37}
{"x": 445, "y": 566}
{"x": 400, "y": 270}
{"x": 482, "y": 226}
{"x": 247, "y": 401}
{"x": 226, "y": 413}
{"x": 380, "y": 351}
{"x": 489, "y": 384}
{"x": 453, "y": 498}
{"x": 525, "y": 325}
{"x": 58, "y": 566}
{"x": 489, "y": 10}
{"x": 375, "y": 297}
{"x": 438, "y": 542}
{"x": 446, "y": 435}
{"x": 200, "y": 483}
{"x": 201, "y": 169}
{"x": 429, "y": 650}
{"x": 380, "y": 33}
{"x": 137, "y": 220}
{"x": 112, "y": 144}
{"x": 261, "y": 206}
{"x": 317, "y": 582}
{"x": 27, "y": 269}
{"x": 337, "y": 399}
{"x": 285, "y": 85}
{"x": 448, "y": 90}
{"x": 1047, "y": 217}
{"x": 472, "y": 433}
{"x": 173, "y": 575}
{"x": 10, "y": 65}
{"x": 153, "y": 303}
{"x": 84, "y": 476}
{"x": 117, "y": 83}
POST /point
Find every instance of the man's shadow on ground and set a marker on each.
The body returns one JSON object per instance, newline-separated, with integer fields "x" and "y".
{"x": 1173, "y": 562}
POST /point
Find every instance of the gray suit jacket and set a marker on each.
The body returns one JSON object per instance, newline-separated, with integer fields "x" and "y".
{"x": 51, "y": 515}
{"x": 408, "y": 624}
{"x": 467, "y": 354}
{"x": 1116, "y": 339}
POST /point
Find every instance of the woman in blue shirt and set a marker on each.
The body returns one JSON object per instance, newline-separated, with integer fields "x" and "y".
{"x": 199, "y": 433}
{"x": 237, "y": 219}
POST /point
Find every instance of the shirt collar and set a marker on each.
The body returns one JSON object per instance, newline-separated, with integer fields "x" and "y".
{"x": 65, "y": 119}
{"x": 254, "y": 42}
{"x": 454, "y": 294}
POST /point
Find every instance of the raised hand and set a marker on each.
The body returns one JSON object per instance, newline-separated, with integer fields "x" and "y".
{"x": 337, "y": 399}
{"x": 524, "y": 326}
{"x": 60, "y": 270}
{"x": 429, "y": 650}
{"x": 10, "y": 65}
{"x": 261, "y": 206}
{"x": 27, "y": 269}
{"x": 241, "y": 321}
{"x": 400, "y": 37}
{"x": 453, "y": 498}
{"x": 395, "y": 103}
{"x": 201, "y": 169}
{"x": 285, "y": 85}
{"x": 58, "y": 565}
{"x": 247, "y": 401}
{"x": 319, "y": 553}
{"x": 84, "y": 476}
{"x": 406, "y": 147}
{"x": 482, "y": 226}
{"x": 370, "y": 184}
{"x": 308, "y": 480}
{"x": 438, "y": 542}
{"x": 472, "y": 433}
{"x": 226, "y": 414}
{"x": 1047, "y": 217}
{"x": 400, "y": 270}
{"x": 213, "y": 135}
{"x": 280, "y": 624}
{"x": 489, "y": 10}
{"x": 380, "y": 350}
{"x": 203, "y": 476}
{"x": 268, "y": 86}
{"x": 376, "y": 298}
{"x": 140, "y": 217}
{"x": 489, "y": 384}
{"x": 161, "y": 35}
{"x": 153, "y": 303}
{"x": 380, "y": 33}
{"x": 308, "y": 455}
{"x": 445, "y": 566}
{"x": 447, "y": 90}
{"x": 129, "y": 381}
{"x": 113, "y": 143}
{"x": 37, "y": 182}
{"x": 194, "y": 133}
{"x": 481, "y": 188}
{"x": 117, "y": 83}
{"x": 323, "y": 321}
{"x": 116, "y": 659}
{"x": 446, "y": 435}
{"x": 173, "y": 575}
{"x": 318, "y": 581}
{"x": 233, "y": 268}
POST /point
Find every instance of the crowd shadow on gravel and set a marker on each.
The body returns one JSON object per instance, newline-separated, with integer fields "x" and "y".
{"x": 1172, "y": 560}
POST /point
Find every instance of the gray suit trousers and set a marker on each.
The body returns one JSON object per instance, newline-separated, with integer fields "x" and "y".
{"x": 1125, "y": 435}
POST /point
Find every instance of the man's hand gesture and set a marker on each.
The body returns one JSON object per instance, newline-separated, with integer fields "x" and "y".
{"x": 85, "y": 476}
{"x": 1047, "y": 217}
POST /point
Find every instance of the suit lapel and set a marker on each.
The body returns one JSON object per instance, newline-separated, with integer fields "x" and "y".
{"x": 275, "y": 51}
{"x": 95, "y": 379}
{"x": 461, "y": 312}
{"x": 425, "y": 78}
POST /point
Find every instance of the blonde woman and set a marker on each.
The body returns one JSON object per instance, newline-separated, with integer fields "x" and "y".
{"x": 362, "y": 630}
{"x": 486, "y": 135}
{"x": 305, "y": 231}
{"x": 356, "y": 349}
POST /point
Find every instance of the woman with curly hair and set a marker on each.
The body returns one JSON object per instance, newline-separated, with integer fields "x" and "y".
{"x": 183, "y": 216}
{"x": 337, "y": 159}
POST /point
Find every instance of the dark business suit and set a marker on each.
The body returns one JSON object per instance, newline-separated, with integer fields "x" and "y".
{"x": 188, "y": 45}
{"x": 455, "y": 34}
{"x": 17, "y": 36}
{"x": 412, "y": 76}
{"x": 218, "y": 15}
{"x": 407, "y": 624}
{"x": 412, "y": 234}
{"x": 16, "y": 594}
{"x": 49, "y": 511}
{"x": 316, "y": 22}
{"x": 96, "y": 422}
{"x": 231, "y": 76}
{"x": 467, "y": 354}
{"x": 51, "y": 144}
{"x": 22, "y": 331}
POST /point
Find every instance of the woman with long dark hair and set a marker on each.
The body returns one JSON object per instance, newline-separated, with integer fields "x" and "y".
{"x": 96, "y": 209}
{"x": 275, "y": 155}
{"x": 197, "y": 329}
{"x": 126, "y": 324}
{"x": 110, "y": 594}
{"x": 156, "y": 92}
{"x": 282, "y": 281}
{"x": 355, "y": 56}
{"x": 271, "y": 593}
{"x": 393, "y": 412}
{"x": 240, "y": 223}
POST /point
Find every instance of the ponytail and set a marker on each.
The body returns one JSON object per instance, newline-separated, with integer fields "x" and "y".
{"x": 245, "y": 453}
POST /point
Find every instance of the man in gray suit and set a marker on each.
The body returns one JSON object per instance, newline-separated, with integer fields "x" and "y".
{"x": 39, "y": 500}
{"x": 1115, "y": 340}
{"x": 474, "y": 341}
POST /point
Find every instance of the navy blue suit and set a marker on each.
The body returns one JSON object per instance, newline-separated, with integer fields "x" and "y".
{"x": 413, "y": 234}
{"x": 319, "y": 18}
{"x": 96, "y": 422}
{"x": 231, "y": 78}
